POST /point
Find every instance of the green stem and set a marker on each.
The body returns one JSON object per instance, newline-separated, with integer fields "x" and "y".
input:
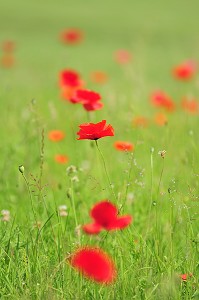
{"x": 106, "y": 172}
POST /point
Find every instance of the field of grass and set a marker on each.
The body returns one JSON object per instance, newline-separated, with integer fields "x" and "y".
{"x": 160, "y": 193}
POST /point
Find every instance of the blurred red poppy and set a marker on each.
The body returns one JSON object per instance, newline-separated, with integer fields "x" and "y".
{"x": 95, "y": 264}
{"x": 7, "y": 61}
{"x": 161, "y": 99}
{"x": 61, "y": 158}
{"x": 190, "y": 105}
{"x": 8, "y": 46}
{"x": 70, "y": 78}
{"x": 123, "y": 56}
{"x": 123, "y": 146}
{"x": 56, "y": 135}
{"x": 91, "y": 131}
{"x": 105, "y": 216}
{"x": 185, "y": 71}
{"x": 184, "y": 277}
{"x": 89, "y": 99}
{"x": 72, "y": 36}
{"x": 99, "y": 77}
{"x": 160, "y": 119}
{"x": 140, "y": 121}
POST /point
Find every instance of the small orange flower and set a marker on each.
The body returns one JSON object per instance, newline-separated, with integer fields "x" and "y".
{"x": 190, "y": 105}
{"x": 99, "y": 77}
{"x": 123, "y": 146}
{"x": 160, "y": 119}
{"x": 140, "y": 121}
{"x": 7, "y": 61}
{"x": 8, "y": 46}
{"x": 56, "y": 135}
{"x": 61, "y": 158}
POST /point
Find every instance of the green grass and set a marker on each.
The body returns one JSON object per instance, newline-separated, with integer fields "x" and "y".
{"x": 160, "y": 194}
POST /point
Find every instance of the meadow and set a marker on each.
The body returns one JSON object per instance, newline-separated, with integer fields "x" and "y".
{"x": 50, "y": 183}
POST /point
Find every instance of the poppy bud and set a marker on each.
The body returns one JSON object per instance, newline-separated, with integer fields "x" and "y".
{"x": 21, "y": 169}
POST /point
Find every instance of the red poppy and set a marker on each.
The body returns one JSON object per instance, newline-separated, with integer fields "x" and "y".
{"x": 105, "y": 216}
{"x": 123, "y": 146}
{"x": 185, "y": 71}
{"x": 89, "y": 99}
{"x": 70, "y": 78}
{"x": 140, "y": 121}
{"x": 99, "y": 77}
{"x": 184, "y": 277}
{"x": 95, "y": 264}
{"x": 72, "y": 36}
{"x": 91, "y": 131}
{"x": 56, "y": 135}
{"x": 160, "y": 119}
{"x": 161, "y": 99}
{"x": 123, "y": 56}
{"x": 61, "y": 158}
{"x": 8, "y": 46}
{"x": 190, "y": 105}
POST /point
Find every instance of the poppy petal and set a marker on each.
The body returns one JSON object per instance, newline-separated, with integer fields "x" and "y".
{"x": 94, "y": 264}
{"x": 92, "y": 228}
{"x": 104, "y": 213}
{"x": 120, "y": 223}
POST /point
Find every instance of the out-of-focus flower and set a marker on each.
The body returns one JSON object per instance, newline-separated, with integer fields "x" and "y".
{"x": 99, "y": 77}
{"x": 7, "y": 60}
{"x": 62, "y": 209}
{"x": 105, "y": 216}
{"x": 91, "y": 131}
{"x": 8, "y": 46}
{"x": 5, "y": 215}
{"x": 61, "y": 158}
{"x": 160, "y": 119}
{"x": 185, "y": 71}
{"x": 184, "y": 277}
{"x": 95, "y": 264}
{"x": 56, "y": 135}
{"x": 72, "y": 36}
{"x": 70, "y": 78}
{"x": 162, "y": 153}
{"x": 71, "y": 170}
{"x": 161, "y": 99}
{"x": 89, "y": 99}
{"x": 123, "y": 146}
{"x": 122, "y": 56}
{"x": 190, "y": 105}
{"x": 140, "y": 121}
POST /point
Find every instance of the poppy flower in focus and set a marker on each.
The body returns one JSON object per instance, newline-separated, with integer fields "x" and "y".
{"x": 56, "y": 135}
{"x": 61, "y": 158}
{"x": 89, "y": 99}
{"x": 190, "y": 105}
{"x": 99, "y": 77}
{"x": 105, "y": 216}
{"x": 91, "y": 131}
{"x": 8, "y": 46}
{"x": 72, "y": 36}
{"x": 123, "y": 146}
{"x": 161, "y": 99}
{"x": 140, "y": 121}
{"x": 95, "y": 264}
{"x": 185, "y": 71}
{"x": 122, "y": 56}
{"x": 160, "y": 119}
